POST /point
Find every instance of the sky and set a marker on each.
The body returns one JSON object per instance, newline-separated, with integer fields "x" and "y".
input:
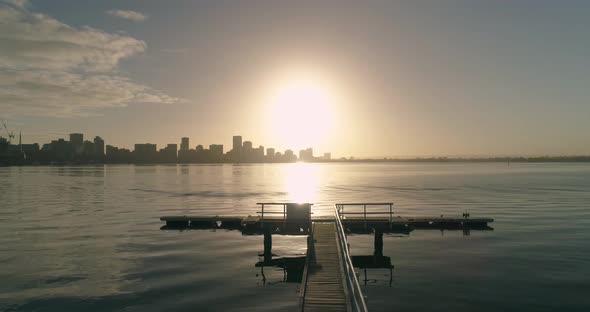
{"x": 387, "y": 78}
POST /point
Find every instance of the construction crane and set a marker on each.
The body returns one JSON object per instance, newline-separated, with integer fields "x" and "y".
{"x": 10, "y": 133}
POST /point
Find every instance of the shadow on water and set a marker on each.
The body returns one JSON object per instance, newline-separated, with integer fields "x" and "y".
{"x": 372, "y": 270}
{"x": 293, "y": 267}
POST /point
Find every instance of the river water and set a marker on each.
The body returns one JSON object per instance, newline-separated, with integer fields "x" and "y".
{"x": 88, "y": 238}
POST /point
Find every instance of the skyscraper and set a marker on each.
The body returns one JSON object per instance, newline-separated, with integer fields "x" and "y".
{"x": 270, "y": 154}
{"x": 99, "y": 148}
{"x": 77, "y": 144}
{"x": 184, "y": 144}
{"x": 76, "y": 138}
{"x": 237, "y": 147}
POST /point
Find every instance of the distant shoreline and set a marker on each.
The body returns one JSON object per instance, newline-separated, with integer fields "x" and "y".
{"x": 561, "y": 159}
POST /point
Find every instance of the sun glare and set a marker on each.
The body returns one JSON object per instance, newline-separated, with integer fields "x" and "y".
{"x": 301, "y": 112}
{"x": 302, "y": 182}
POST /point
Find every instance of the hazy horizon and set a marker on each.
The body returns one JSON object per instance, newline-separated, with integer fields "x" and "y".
{"x": 371, "y": 79}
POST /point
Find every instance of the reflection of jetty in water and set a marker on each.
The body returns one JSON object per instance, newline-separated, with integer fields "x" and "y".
{"x": 327, "y": 276}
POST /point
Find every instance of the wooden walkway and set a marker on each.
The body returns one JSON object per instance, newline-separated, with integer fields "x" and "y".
{"x": 324, "y": 288}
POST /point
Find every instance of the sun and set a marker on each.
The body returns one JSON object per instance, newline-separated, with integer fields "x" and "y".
{"x": 301, "y": 111}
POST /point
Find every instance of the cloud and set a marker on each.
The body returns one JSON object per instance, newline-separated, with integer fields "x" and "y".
{"x": 39, "y": 41}
{"x": 50, "y": 68}
{"x": 128, "y": 15}
{"x": 64, "y": 94}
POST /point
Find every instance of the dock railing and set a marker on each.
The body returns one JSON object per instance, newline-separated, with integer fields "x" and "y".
{"x": 380, "y": 211}
{"x": 279, "y": 211}
{"x": 353, "y": 288}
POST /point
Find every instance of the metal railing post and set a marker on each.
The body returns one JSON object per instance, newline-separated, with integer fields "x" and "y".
{"x": 390, "y": 215}
{"x": 262, "y": 217}
{"x": 284, "y": 216}
{"x": 365, "y": 213}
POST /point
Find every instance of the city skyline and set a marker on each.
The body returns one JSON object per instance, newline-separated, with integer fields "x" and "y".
{"x": 371, "y": 79}
{"x": 79, "y": 150}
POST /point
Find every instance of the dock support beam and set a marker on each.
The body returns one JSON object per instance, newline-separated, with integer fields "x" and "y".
{"x": 267, "y": 246}
{"x": 378, "y": 243}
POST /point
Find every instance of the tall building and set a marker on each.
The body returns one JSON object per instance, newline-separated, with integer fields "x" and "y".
{"x": 270, "y": 154}
{"x": 76, "y": 138}
{"x": 184, "y": 144}
{"x": 237, "y": 148}
{"x": 99, "y": 148}
{"x": 77, "y": 144}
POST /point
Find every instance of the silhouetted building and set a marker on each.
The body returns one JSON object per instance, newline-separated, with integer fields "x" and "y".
{"x": 118, "y": 155}
{"x": 289, "y": 156}
{"x": 58, "y": 150}
{"x": 31, "y": 151}
{"x": 111, "y": 153}
{"x": 77, "y": 144}
{"x": 236, "y": 152}
{"x": 237, "y": 140}
{"x": 247, "y": 152}
{"x": 306, "y": 154}
{"x": 259, "y": 154}
{"x": 145, "y": 153}
{"x": 89, "y": 152}
{"x": 76, "y": 138}
{"x": 169, "y": 154}
{"x": 216, "y": 151}
{"x": 327, "y": 156}
{"x": 99, "y": 148}
{"x": 184, "y": 144}
{"x": 270, "y": 154}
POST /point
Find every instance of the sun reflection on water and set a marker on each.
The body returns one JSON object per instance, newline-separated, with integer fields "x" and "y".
{"x": 302, "y": 181}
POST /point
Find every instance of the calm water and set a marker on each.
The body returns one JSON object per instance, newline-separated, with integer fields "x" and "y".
{"x": 88, "y": 238}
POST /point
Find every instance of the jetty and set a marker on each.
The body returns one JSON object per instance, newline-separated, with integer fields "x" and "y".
{"x": 328, "y": 280}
